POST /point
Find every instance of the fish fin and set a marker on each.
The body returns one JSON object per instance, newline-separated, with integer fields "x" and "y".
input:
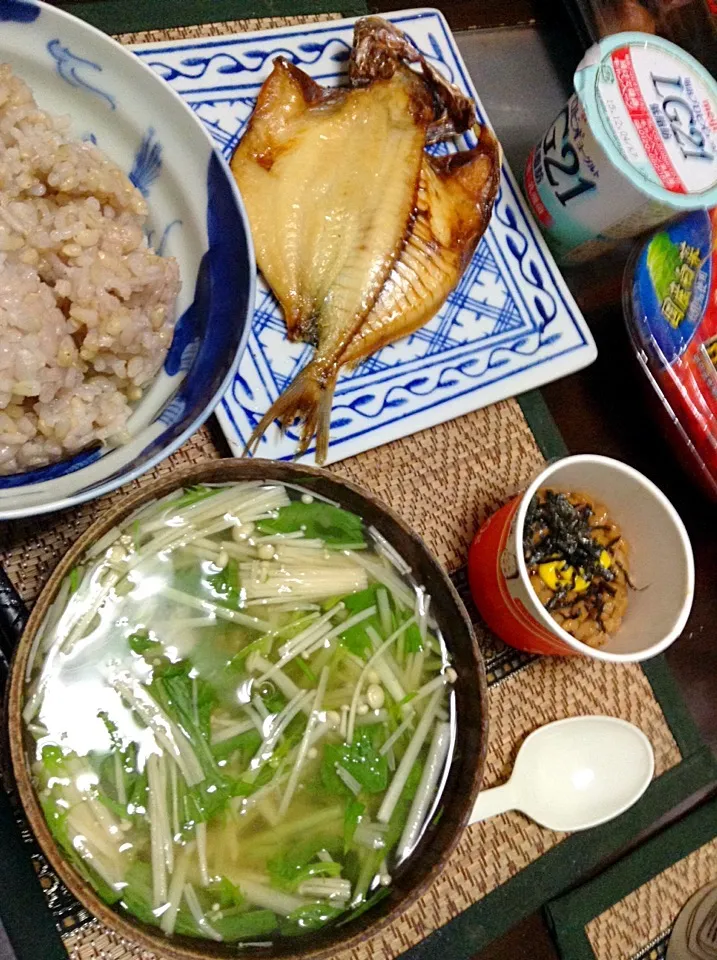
{"x": 307, "y": 398}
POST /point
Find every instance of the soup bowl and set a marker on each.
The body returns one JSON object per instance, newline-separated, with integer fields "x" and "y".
{"x": 463, "y": 776}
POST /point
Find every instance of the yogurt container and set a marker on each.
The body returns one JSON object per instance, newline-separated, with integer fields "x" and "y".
{"x": 635, "y": 145}
{"x": 670, "y": 304}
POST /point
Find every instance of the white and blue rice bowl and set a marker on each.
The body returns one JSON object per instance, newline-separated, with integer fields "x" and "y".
{"x": 195, "y": 214}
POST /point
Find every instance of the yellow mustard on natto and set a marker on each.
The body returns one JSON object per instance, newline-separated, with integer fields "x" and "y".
{"x": 556, "y": 574}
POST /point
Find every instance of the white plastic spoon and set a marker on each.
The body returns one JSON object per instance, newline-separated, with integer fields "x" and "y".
{"x": 574, "y": 774}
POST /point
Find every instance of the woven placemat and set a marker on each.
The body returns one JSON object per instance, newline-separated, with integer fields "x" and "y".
{"x": 443, "y": 482}
{"x": 489, "y": 883}
{"x": 485, "y": 457}
{"x": 628, "y": 912}
{"x": 481, "y": 459}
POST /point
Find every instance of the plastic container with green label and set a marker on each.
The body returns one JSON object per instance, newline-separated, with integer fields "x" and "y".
{"x": 670, "y": 303}
{"x": 635, "y": 145}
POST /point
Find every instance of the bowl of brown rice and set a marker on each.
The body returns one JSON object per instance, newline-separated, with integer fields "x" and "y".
{"x": 126, "y": 268}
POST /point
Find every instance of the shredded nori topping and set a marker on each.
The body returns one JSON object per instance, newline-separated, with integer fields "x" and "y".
{"x": 556, "y": 529}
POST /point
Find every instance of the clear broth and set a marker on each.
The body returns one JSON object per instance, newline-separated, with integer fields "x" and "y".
{"x": 240, "y": 714}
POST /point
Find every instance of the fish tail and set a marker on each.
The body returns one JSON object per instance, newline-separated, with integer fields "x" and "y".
{"x": 307, "y": 398}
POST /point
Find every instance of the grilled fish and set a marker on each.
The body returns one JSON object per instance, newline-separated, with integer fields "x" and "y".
{"x": 359, "y": 232}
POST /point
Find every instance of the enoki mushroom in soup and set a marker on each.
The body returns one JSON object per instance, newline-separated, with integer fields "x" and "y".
{"x": 240, "y": 713}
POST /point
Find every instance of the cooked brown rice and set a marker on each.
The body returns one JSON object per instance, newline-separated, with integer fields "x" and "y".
{"x": 86, "y": 307}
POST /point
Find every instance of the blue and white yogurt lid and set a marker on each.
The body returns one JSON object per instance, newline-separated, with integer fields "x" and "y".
{"x": 653, "y": 109}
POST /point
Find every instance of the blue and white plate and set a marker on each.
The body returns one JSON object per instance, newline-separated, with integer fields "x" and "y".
{"x": 196, "y": 215}
{"x": 510, "y": 326}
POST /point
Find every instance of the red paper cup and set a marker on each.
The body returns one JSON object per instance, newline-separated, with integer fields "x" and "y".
{"x": 661, "y": 565}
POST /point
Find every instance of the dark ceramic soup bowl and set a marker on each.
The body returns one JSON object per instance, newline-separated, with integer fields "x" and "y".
{"x": 409, "y": 880}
